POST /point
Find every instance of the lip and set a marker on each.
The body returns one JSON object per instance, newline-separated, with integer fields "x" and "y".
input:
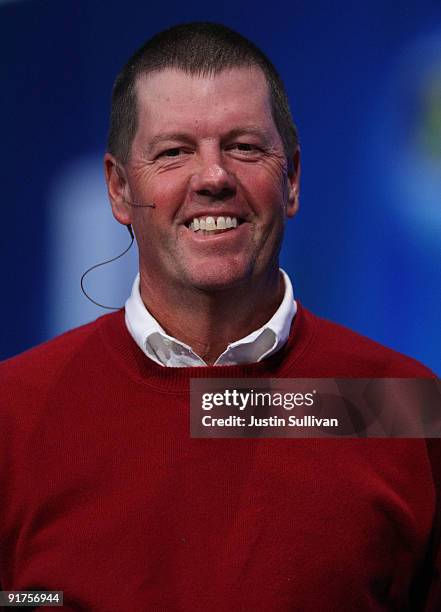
{"x": 213, "y": 238}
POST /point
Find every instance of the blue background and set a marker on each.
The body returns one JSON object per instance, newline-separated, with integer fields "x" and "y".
{"x": 364, "y": 81}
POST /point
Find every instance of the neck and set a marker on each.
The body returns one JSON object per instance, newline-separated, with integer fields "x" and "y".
{"x": 208, "y": 321}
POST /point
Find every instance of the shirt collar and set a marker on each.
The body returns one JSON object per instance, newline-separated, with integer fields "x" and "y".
{"x": 168, "y": 351}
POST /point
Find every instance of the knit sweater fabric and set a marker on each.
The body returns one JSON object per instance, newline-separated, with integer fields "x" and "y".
{"x": 105, "y": 496}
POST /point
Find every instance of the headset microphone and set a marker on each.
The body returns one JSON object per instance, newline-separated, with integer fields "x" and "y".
{"x": 137, "y": 205}
{"x": 103, "y": 263}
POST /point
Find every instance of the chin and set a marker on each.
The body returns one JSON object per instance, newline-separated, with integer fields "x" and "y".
{"x": 218, "y": 278}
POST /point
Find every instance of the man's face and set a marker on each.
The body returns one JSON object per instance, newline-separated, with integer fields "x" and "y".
{"x": 207, "y": 151}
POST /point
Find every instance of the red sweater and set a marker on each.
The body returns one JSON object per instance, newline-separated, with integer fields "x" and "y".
{"x": 105, "y": 496}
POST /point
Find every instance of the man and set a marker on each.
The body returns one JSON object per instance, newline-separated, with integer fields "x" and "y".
{"x": 105, "y": 494}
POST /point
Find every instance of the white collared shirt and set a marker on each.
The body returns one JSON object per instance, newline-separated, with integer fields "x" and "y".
{"x": 171, "y": 352}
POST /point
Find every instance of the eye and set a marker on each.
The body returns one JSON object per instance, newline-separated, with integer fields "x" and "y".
{"x": 244, "y": 148}
{"x": 175, "y": 152}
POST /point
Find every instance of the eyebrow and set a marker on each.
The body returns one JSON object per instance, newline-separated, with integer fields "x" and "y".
{"x": 177, "y": 136}
{"x": 254, "y": 130}
{"x": 187, "y": 138}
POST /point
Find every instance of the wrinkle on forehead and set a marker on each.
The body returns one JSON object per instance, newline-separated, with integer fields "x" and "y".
{"x": 171, "y": 100}
{"x": 184, "y": 91}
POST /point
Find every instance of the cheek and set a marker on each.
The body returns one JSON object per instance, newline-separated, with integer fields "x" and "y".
{"x": 265, "y": 190}
{"x": 169, "y": 190}
{"x": 159, "y": 185}
{"x": 269, "y": 176}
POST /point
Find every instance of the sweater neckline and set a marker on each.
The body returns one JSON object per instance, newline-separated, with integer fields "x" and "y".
{"x": 123, "y": 349}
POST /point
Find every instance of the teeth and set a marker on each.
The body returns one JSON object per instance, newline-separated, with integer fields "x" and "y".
{"x": 210, "y": 224}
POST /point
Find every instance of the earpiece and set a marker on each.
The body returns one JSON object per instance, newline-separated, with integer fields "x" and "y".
{"x": 103, "y": 263}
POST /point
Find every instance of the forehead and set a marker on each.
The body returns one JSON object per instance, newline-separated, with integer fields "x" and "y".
{"x": 171, "y": 96}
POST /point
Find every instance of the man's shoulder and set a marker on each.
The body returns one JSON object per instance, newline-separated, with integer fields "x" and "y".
{"x": 44, "y": 360}
{"x": 51, "y": 377}
{"x": 346, "y": 350}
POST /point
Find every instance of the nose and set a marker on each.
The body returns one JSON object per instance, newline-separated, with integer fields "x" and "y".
{"x": 212, "y": 179}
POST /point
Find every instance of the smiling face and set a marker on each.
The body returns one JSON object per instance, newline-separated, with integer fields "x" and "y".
{"x": 207, "y": 153}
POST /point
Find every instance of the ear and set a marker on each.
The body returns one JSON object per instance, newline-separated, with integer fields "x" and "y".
{"x": 293, "y": 185}
{"x": 117, "y": 189}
